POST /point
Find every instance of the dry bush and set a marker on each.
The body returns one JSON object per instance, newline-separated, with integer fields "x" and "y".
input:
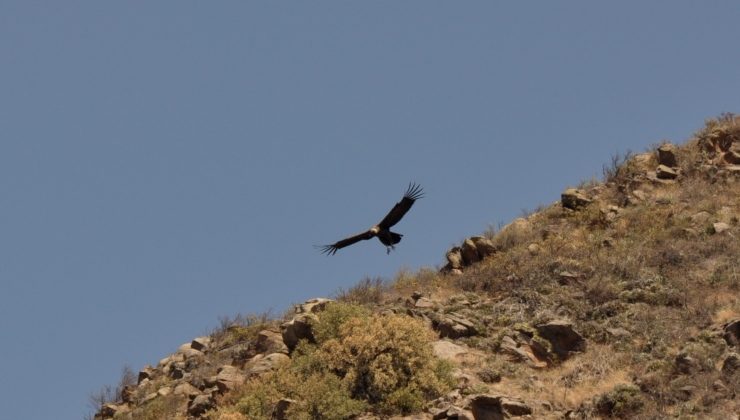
{"x": 369, "y": 291}
{"x": 241, "y": 328}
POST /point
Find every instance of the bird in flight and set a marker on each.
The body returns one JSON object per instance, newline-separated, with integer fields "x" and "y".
{"x": 383, "y": 229}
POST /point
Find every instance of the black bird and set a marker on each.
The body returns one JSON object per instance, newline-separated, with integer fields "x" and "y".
{"x": 383, "y": 229}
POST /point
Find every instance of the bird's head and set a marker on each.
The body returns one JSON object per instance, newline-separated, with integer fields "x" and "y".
{"x": 375, "y": 229}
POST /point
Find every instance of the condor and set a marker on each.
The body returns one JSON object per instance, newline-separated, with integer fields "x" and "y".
{"x": 383, "y": 229}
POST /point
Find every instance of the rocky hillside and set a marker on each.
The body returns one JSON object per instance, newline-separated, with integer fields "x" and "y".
{"x": 622, "y": 300}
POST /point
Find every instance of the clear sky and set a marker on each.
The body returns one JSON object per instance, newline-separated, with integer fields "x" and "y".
{"x": 165, "y": 163}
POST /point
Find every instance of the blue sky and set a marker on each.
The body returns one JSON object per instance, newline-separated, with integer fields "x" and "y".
{"x": 166, "y": 163}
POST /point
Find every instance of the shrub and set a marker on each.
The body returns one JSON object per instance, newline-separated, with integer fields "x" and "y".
{"x": 333, "y": 317}
{"x": 359, "y": 362}
{"x": 388, "y": 361}
{"x": 367, "y": 291}
{"x": 621, "y": 401}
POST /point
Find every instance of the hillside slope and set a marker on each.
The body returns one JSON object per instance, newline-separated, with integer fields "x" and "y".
{"x": 620, "y": 301}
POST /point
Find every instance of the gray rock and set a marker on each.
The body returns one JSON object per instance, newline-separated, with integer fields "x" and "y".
{"x": 469, "y": 253}
{"x": 534, "y": 249}
{"x": 732, "y": 157}
{"x": 229, "y": 377}
{"x": 564, "y": 339}
{"x": 522, "y": 351}
{"x": 446, "y": 350}
{"x": 667, "y": 155}
{"x": 423, "y": 303}
{"x": 515, "y": 408}
{"x": 731, "y": 333}
{"x": 454, "y": 258}
{"x": 731, "y": 364}
{"x": 487, "y": 407}
{"x": 720, "y": 227}
{"x": 146, "y": 373}
{"x": 200, "y": 404}
{"x": 186, "y": 389}
{"x": 495, "y": 407}
{"x": 452, "y": 325}
{"x": 299, "y": 328}
{"x": 313, "y": 306}
{"x": 270, "y": 342}
{"x": 618, "y": 332}
{"x": 701, "y": 217}
{"x": 574, "y": 199}
{"x": 484, "y": 246}
{"x": 281, "y": 408}
{"x": 111, "y": 410}
{"x": 685, "y": 364}
{"x": 260, "y": 364}
{"x": 665, "y": 172}
{"x": 201, "y": 343}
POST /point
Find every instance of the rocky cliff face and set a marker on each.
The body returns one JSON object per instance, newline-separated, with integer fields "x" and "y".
{"x": 620, "y": 301}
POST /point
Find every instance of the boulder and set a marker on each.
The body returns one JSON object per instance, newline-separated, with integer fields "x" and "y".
{"x": 146, "y": 373}
{"x": 495, "y": 407}
{"x": 190, "y": 353}
{"x": 667, "y": 155}
{"x": 260, "y": 364}
{"x": 731, "y": 333}
{"x": 515, "y": 408}
{"x": 452, "y": 412}
{"x": 731, "y": 364}
{"x": 701, "y": 217}
{"x": 666, "y": 172}
{"x": 446, "y": 350}
{"x": 186, "y": 389}
{"x": 164, "y": 391}
{"x": 534, "y": 249}
{"x": 201, "y": 343}
{"x": 563, "y": 338}
{"x": 484, "y": 246}
{"x": 424, "y": 303}
{"x": 523, "y": 351}
{"x": 574, "y": 199}
{"x": 127, "y": 393}
{"x": 176, "y": 370}
{"x": 487, "y": 407}
{"x": 312, "y": 306}
{"x": 720, "y": 227}
{"x": 270, "y": 342}
{"x": 732, "y": 157}
{"x": 454, "y": 258}
{"x": 685, "y": 364}
{"x": 228, "y": 377}
{"x": 297, "y": 329}
{"x": 469, "y": 253}
{"x": 111, "y": 410}
{"x": 200, "y": 404}
{"x": 281, "y": 408}
{"x": 618, "y": 332}
{"x": 452, "y": 325}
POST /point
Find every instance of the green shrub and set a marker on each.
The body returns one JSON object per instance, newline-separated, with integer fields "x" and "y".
{"x": 622, "y": 401}
{"x": 333, "y": 317}
{"x": 360, "y": 362}
{"x": 388, "y": 361}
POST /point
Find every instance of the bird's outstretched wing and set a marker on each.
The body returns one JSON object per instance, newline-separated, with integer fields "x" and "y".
{"x": 333, "y": 248}
{"x": 413, "y": 193}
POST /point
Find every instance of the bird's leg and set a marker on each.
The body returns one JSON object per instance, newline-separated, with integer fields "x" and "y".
{"x": 388, "y": 249}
